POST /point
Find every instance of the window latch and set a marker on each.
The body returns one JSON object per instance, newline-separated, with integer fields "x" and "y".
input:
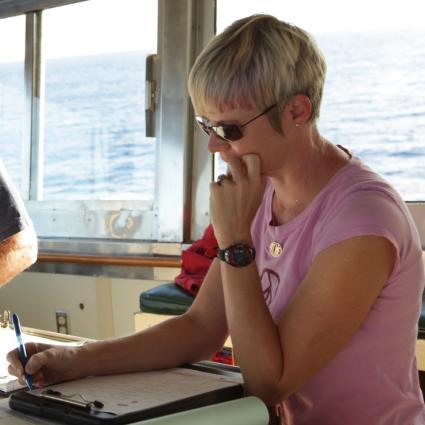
{"x": 150, "y": 95}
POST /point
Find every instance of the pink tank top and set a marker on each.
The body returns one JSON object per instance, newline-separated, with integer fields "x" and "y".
{"x": 373, "y": 380}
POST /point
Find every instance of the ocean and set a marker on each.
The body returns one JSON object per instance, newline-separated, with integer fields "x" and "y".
{"x": 95, "y": 147}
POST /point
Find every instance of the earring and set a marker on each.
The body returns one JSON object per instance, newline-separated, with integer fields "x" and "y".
{"x": 297, "y": 124}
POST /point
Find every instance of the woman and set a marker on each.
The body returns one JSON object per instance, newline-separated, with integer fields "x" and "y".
{"x": 319, "y": 276}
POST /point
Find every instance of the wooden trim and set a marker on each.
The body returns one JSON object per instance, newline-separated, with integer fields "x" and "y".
{"x": 105, "y": 260}
{"x": 56, "y": 336}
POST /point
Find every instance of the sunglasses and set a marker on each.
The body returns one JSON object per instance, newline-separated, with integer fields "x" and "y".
{"x": 228, "y": 132}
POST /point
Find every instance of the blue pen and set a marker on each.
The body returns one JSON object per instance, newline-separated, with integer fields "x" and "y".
{"x": 21, "y": 347}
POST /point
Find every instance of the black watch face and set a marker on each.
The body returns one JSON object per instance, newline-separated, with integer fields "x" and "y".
{"x": 239, "y": 255}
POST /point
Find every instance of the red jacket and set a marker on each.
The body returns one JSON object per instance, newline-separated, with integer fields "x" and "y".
{"x": 196, "y": 261}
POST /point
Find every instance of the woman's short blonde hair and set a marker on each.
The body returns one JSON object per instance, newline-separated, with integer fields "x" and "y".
{"x": 256, "y": 62}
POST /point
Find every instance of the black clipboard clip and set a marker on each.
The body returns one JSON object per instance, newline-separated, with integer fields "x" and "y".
{"x": 73, "y": 400}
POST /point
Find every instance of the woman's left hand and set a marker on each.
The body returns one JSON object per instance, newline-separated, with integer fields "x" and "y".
{"x": 234, "y": 200}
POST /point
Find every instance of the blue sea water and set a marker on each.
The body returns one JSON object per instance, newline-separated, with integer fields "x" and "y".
{"x": 374, "y": 103}
{"x": 95, "y": 148}
{"x": 95, "y": 145}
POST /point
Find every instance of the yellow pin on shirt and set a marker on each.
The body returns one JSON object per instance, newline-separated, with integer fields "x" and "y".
{"x": 275, "y": 249}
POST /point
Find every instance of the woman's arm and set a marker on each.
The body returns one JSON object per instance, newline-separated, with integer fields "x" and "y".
{"x": 327, "y": 309}
{"x": 193, "y": 336}
{"x": 329, "y": 306}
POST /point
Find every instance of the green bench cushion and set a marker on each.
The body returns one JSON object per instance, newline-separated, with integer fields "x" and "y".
{"x": 168, "y": 299}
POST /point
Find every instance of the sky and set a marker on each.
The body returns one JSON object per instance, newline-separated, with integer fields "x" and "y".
{"x": 318, "y": 16}
{"x": 90, "y": 27}
{"x": 97, "y": 26}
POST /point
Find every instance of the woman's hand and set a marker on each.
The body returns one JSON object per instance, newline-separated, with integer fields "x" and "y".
{"x": 47, "y": 364}
{"x": 234, "y": 200}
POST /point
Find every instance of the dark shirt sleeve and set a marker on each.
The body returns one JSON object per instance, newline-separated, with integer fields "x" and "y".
{"x": 13, "y": 215}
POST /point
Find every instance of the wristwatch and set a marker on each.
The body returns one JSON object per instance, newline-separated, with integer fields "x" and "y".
{"x": 237, "y": 255}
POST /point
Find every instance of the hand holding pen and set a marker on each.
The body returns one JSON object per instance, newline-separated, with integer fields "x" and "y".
{"x": 21, "y": 347}
{"x": 46, "y": 363}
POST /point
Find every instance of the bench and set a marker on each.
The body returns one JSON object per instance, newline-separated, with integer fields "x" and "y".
{"x": 164, "y": 301}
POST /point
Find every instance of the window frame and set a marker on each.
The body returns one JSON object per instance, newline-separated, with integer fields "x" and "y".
{"x": 9, "y": 8}
{"x": 184, "y": 168}
{"x": 171, "y": 216}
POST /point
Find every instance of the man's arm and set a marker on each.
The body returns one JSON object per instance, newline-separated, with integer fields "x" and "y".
{"x": 17, "y": 253}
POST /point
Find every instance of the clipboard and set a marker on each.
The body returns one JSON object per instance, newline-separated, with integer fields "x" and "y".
{"x": 127, "y": 398}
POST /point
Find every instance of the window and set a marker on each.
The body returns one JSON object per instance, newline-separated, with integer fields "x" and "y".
{"x": 372, "y": 102}
{"x": 12, "y": 99}
{"x": 90, "y": 171}
{"x": 95, "y": 145}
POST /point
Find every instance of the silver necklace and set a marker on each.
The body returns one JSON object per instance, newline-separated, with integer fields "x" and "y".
{"x": 275, "y": 248}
